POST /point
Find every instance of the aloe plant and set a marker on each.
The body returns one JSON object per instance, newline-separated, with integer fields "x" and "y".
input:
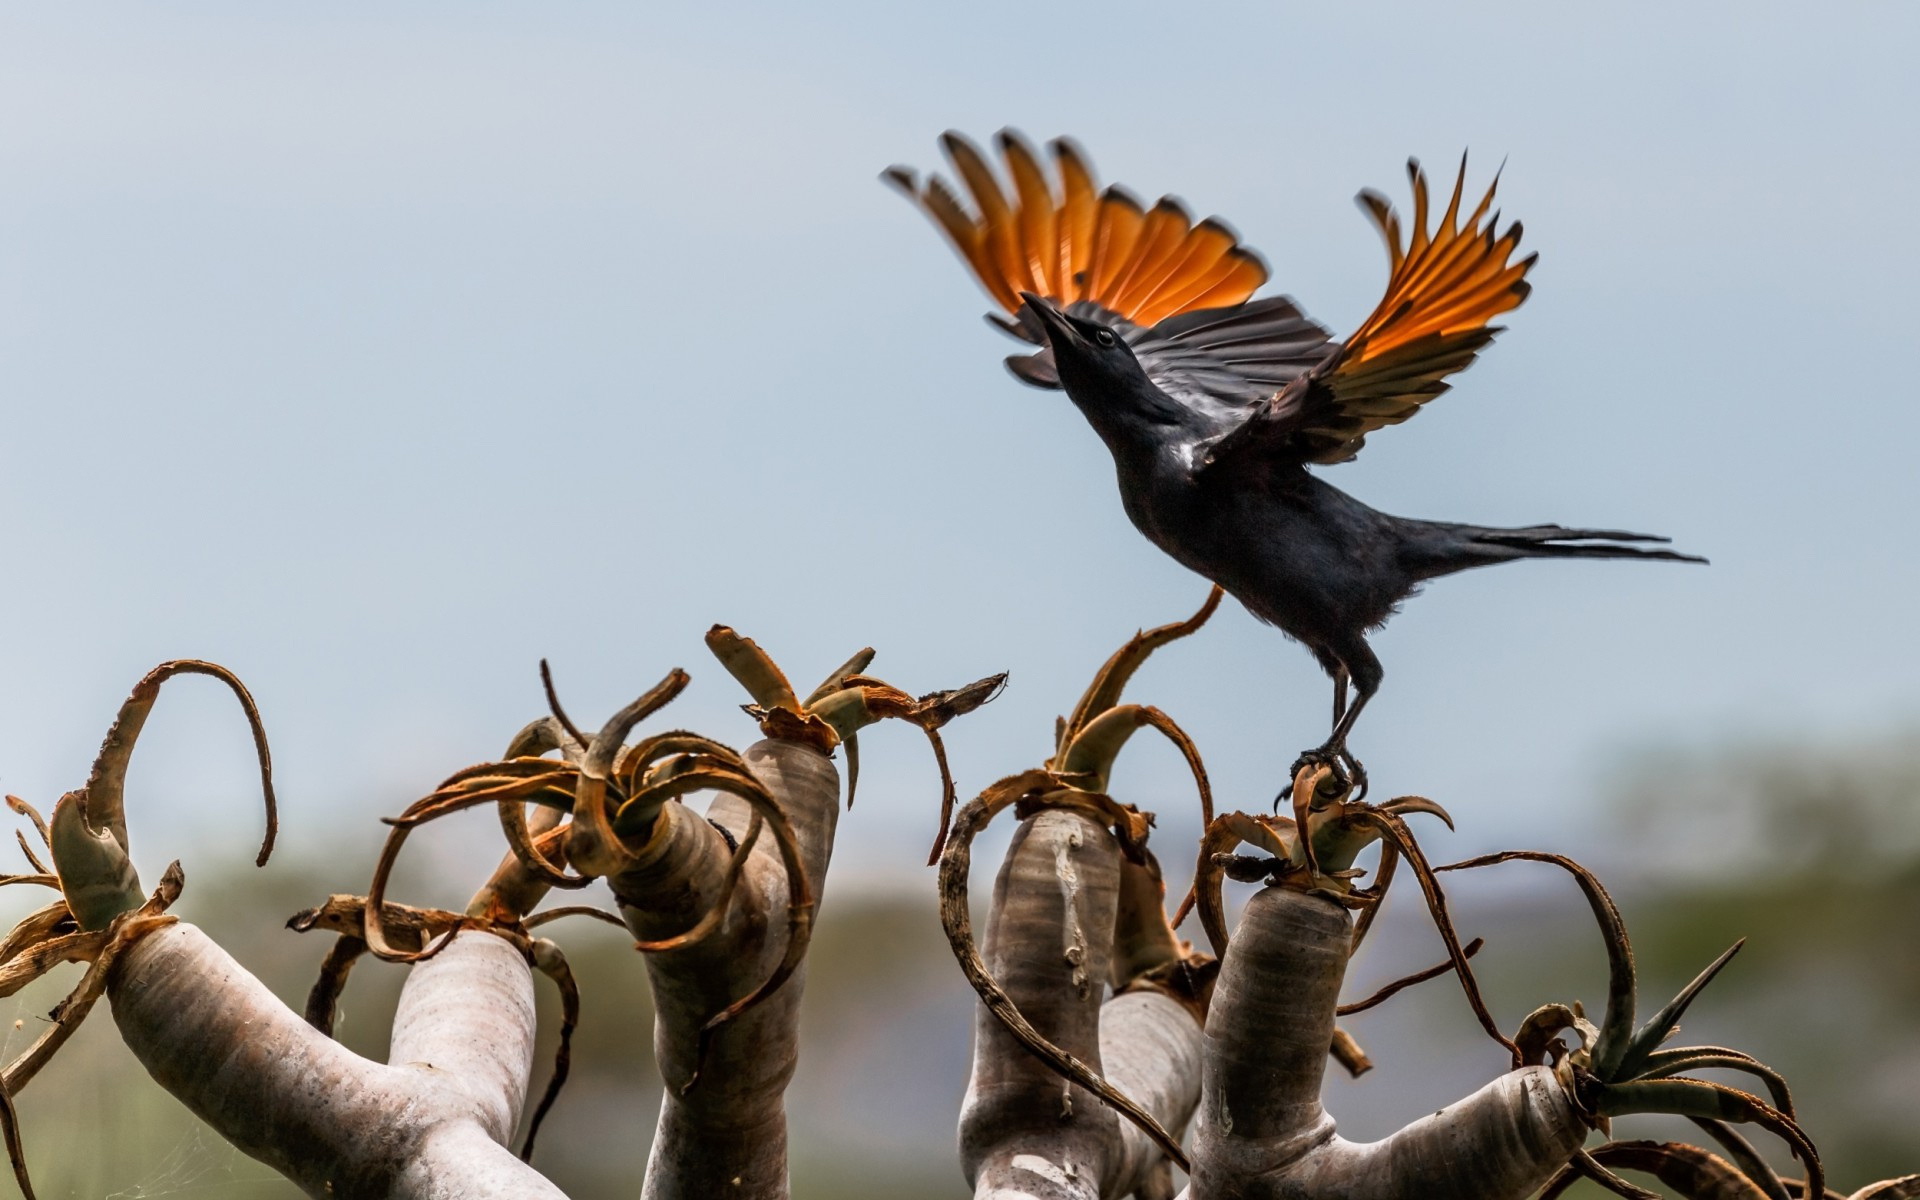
{"x": 1109, "y": 1051}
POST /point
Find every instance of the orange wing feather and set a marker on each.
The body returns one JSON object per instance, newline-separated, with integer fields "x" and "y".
{"x": 1453, "y": 281}
{"x": 1444, "y": 288}
{"x": 1115, "y": 237}
{"x": 1079, "y": 216}
{"x": 1202, "y": 261}
{"x": 1166, "y": 229}
{"x": 1038, "y": 215}
{"x": 1056, "y": 235}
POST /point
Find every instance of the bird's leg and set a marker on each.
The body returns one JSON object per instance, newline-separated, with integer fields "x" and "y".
{"x": 1336, "y": 746}
{"x": 1327, "y": 753}
{"x": 1354, "y": 664}
{"x": 1346, "y": 768}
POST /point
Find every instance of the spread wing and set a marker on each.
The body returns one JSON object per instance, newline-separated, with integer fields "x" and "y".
{"x": 1174, "y": 288}
{"x": 1443, "y": 289}
{"x": 1218, "y": 359}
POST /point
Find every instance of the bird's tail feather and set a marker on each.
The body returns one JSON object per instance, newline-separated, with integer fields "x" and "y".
{"x": 1555, "y": 541}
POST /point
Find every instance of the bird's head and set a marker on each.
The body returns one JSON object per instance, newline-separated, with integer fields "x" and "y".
{"x": 1097, "y": 368}
{"x": 1086, "y": 353}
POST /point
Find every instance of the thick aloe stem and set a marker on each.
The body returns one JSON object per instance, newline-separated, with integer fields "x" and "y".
{"x": 723, "y": 1127}
{"x": 429, "y": 1126}
{"x": 1152, "y": 1047}
{"x": 466, "y": 1015}
{"x": 1150, "y": 1031}
{"x": 1025, "y": 1131}
{"x": 1262, "y": 1134}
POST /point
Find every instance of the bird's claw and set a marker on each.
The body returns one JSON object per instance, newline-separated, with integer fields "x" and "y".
{"x": 1356, "y": 775}
{"x": 1349, "y": 777}
{"x": 1321, "y": 756}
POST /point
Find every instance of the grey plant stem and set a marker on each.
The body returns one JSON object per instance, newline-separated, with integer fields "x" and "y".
{"x": 1024, "y": 1131}
{"x": 727, "y": 1134}
{"x": 429, "y": 1125}
{"x": 1262, "y": 1134}
{"x": 1152, "y": 1046}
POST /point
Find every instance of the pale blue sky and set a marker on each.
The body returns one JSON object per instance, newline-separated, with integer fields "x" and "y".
{"x": 377, "y": 351}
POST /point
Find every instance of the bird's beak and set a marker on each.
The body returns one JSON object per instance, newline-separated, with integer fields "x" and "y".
{"x": 1051, "y": 319}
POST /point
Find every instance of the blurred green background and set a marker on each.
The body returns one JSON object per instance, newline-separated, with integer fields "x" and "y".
{"x": 1811, "y": 853}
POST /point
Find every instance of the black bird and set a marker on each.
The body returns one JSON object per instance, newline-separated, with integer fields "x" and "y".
{"x": 1214, "y": 406}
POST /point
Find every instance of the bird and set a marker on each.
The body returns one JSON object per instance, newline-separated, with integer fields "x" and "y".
{"x": 1217, "y": 407}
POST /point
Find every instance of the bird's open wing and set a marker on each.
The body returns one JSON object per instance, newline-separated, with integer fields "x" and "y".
{"x": 1072, "y": 243}
{"x": 1176, "y": 290}
{"x": 1443, "y": 289}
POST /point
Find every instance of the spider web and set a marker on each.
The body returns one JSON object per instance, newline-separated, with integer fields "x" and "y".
{"x": 198, "y": 1162}
{"x": 201, "y": 1163}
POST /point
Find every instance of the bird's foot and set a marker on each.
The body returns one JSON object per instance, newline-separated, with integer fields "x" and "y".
{"x": 1349, "y": 778}
{"x": 1356, "y": 775}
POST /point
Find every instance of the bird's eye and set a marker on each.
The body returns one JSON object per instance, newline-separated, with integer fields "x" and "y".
{"x": 1104, "y": 337}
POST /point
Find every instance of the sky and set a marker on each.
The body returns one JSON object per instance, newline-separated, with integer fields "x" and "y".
{"x": 379, "y": 351}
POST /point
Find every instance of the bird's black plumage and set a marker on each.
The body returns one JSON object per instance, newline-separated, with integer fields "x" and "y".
{"x": 1213, "y": 414}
